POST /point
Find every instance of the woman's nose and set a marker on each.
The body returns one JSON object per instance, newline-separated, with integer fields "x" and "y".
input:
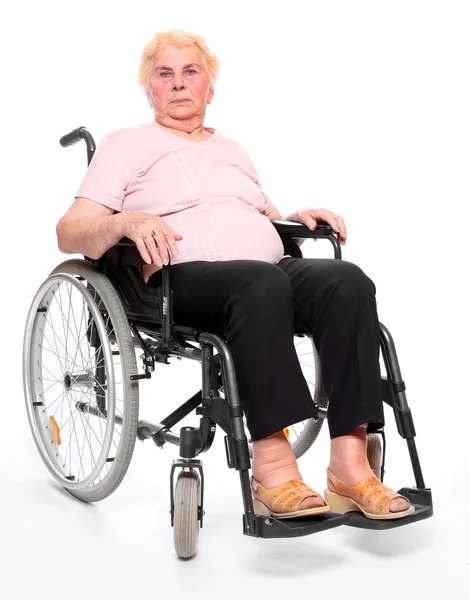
{"x": 178, "y": 82}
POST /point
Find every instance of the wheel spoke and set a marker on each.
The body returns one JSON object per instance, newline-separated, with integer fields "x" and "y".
{"x": 45, "y": 337}
{"x": 77, "y": 363}
{"x": 51, "y": 386}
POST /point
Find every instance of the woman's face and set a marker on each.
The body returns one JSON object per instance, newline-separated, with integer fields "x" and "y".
{"x": 178, "y": 74}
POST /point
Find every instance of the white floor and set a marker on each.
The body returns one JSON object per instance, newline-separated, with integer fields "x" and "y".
{"x": 56, "y": 546}
{"x": 379, "y": 91}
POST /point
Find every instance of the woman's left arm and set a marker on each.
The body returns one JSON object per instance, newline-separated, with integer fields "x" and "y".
{"x": 310, "y": 218}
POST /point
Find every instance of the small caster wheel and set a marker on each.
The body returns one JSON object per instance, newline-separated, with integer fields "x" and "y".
{"x": 186, "y": 513}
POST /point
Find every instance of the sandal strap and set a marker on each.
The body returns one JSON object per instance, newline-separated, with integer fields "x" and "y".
{"x": 284, "y": 498}
{"x": 370, "y": 493}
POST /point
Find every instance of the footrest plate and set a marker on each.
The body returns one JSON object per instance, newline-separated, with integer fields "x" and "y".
{"x": 420, "y": 498}
{"x": 268, "y": 527}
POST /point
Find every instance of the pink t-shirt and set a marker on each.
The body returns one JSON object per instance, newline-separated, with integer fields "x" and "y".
{"x": 207, "y": 191}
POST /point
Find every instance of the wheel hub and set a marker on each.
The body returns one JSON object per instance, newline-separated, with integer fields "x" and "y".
{"x": 78, "y": 380}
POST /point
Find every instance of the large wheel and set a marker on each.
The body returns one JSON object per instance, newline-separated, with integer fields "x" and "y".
{"x": 78, "y": 356}
{"x": 302, "y": 435}
{"x": 186, "y": 513}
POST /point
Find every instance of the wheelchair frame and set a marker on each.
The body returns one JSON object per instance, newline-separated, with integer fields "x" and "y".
{"x": 122, "y": 260}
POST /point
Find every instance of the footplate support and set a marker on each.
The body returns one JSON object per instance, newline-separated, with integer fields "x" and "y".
{"x": 268, "y": 527}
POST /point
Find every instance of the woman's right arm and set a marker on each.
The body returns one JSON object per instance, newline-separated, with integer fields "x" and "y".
{"x": 89, "y": 228}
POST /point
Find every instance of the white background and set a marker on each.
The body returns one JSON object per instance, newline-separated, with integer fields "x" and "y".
{"x": 358, "y": 106}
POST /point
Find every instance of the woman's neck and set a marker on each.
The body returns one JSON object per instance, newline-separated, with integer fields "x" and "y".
{"x": 186, "y": 129}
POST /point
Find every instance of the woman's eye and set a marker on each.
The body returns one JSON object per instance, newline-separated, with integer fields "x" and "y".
{"x": 165, "y": 73}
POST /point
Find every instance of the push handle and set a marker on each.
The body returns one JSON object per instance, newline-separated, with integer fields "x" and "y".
{"x": 80, "y": 133}
{"x": 71, "y": 138}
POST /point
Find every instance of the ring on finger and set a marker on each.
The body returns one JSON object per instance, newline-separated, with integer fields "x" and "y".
{"x": 155, "y": 232}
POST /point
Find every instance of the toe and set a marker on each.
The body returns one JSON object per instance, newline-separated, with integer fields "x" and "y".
{"x": 312, "y": 502}
{"x": 398, "y": 505}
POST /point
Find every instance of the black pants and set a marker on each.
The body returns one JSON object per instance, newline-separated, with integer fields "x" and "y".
{"x": 257, "y": 307}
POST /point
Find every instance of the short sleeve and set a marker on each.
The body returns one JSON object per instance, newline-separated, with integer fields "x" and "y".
{"x": 103, "y": 181}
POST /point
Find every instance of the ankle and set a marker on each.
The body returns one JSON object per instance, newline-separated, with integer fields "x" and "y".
{"x": 348, "y": 458}
{"x": 276, "y": 477}
{"x": 273, "y": 461}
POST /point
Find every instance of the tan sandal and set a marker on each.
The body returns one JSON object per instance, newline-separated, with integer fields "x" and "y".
{"x": 369, "y": 496}
{"x": 282, "y": 501}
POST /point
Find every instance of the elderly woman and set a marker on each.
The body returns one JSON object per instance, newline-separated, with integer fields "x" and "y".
{"x": 176, "y": 187}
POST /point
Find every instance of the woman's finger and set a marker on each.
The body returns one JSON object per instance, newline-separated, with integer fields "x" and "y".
{"x": 160, "y": 240}
{"x": 143, "y": 250}
{"x": 172, "y": 243}
{"x": 335, "y": 225}
{"x": 152, "y": 250}
{"x": 336, "y": 222}
{"x": 343, "y": 229}
{"x": 338, "y": 226}
{"x": 307, "y": 219}
{"x": 170, "y": 239}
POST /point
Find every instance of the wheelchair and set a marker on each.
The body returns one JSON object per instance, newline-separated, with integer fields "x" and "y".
{"x": 81, "y": 382}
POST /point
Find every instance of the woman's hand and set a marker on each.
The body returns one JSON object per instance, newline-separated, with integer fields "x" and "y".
{"x": 152, "y": 236}
{"x": 311, "y": 216}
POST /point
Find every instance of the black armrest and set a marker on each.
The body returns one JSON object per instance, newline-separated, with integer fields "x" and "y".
{"x": 298, "y": 230}
{"x": 289, "y": 230}
{"x": 284, "y": 228}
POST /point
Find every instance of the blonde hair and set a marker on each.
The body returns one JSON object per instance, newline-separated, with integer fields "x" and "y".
{"x": 182, "y": 39}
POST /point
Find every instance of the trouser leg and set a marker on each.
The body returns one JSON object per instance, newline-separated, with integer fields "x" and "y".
{"x": 335, "y": 301}
{"x": 250, "y": 304}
